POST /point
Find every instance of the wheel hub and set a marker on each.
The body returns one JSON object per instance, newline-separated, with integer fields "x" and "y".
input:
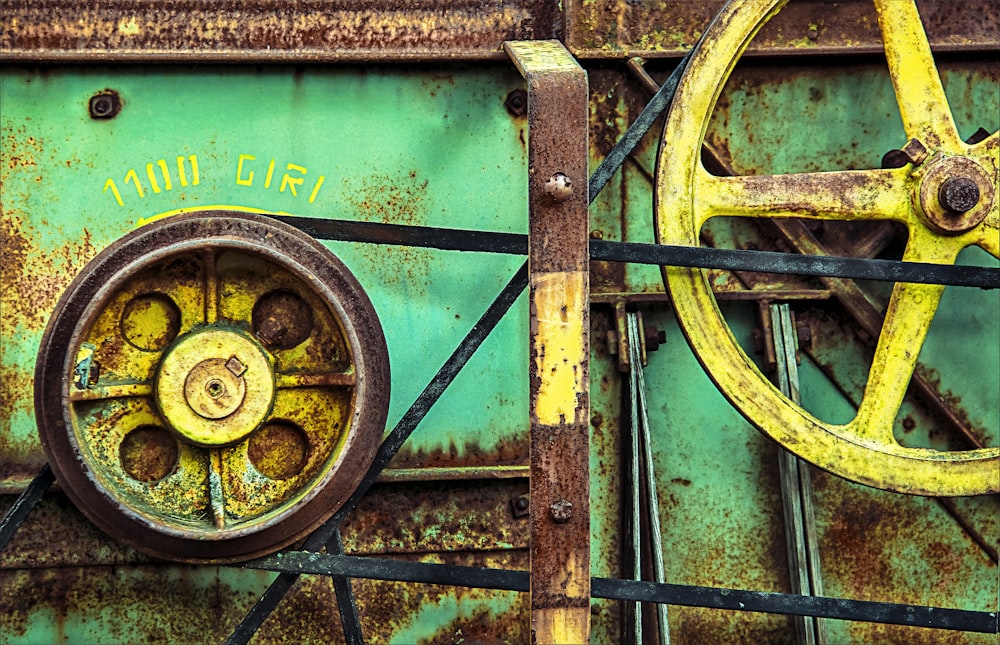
{"x": 215, "y": 387}
{"x": 955, "y": 195}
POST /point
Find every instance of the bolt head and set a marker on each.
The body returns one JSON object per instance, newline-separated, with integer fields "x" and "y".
{"x": 561, "y": 511}
{"x": 958, "y": 194}
{"x": 104, "y": 105}
{"x": 559, "y": 187}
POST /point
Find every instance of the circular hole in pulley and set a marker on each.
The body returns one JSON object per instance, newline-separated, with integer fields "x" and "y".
{"x": 279, "y": 450}
{"x": 282, "y": 319}
{"x": 148, "y": 453}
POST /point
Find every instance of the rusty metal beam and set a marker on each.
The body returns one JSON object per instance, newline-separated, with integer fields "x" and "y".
{"x": 668, "y": 29}
{"x": 560, "y": 344}
{"x": 268, "y": 30}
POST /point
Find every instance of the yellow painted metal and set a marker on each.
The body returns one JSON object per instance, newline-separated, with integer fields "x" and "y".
{"x": 863, "y": 450}
{"x": 556, "y": 296}
{"x": 215, "y": 387}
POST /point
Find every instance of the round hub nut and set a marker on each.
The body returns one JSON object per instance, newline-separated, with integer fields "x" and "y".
{"x": 215, "y": 387}
{"x": 956, "y": 194}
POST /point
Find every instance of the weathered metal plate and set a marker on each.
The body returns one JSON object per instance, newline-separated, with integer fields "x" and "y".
{"x": 597, "y": 29}
{"x": 269, "y": 30}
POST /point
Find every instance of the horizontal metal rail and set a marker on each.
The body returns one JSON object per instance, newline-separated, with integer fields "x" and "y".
{"x": 449, "y": 239}
{"x": 635, "y": 590}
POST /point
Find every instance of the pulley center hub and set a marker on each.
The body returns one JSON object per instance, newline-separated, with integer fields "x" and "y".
{"x": 214, "y": 387}
{"x": 956, "y": 194}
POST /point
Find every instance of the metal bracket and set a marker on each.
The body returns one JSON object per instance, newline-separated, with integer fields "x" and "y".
{"x": 558, "y": 264}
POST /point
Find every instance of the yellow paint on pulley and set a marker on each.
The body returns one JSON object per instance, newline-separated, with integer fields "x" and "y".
{"x": 215, "y": 387}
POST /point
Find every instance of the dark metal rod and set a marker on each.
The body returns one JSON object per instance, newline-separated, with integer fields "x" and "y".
{"x": 817, "y": 265}
{"x": 635, "y": 590}
{"x": 446, "y": 239}
{"x": 24, "y": 504}
{"x": 657, "y": 254}
{"x": 346, "y": 607}
{"x": 656, "y": 106}
{"x": 421, "y": 406}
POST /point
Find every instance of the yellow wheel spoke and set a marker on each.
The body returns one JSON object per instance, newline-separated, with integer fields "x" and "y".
{"x": 334, "y": 379}
{"x": 919, "y": 93}
{"x": 909, "y": 315}
{"x": 211, "y": 286}
{"x": 845, "y": 195}
{"x": 122, "y": 391}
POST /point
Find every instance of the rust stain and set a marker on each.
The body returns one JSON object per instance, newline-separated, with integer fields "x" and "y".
{"x": 872, "y": 541}
{"x": 387, "y": 198}
{"x": 155, "y": 604}
{"x": 507, "y": 452}
{"x": 271, "y": 30}
{"x": 387, "y": 609}
{"x": 420, "y": 517}
{"x": 33, "y": 278}
{"x": 18, "y": 459}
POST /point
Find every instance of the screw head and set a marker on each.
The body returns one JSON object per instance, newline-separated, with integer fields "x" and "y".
{"x": 561, "y": 511}
{"x": 559, "y": 187}
{"x": 958, "y": 194}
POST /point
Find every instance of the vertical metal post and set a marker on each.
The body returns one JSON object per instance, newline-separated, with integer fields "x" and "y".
{"x": 560, "y": 346}
{"x": 796, "y": 487}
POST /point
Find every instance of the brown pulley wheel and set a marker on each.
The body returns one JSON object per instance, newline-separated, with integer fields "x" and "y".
{"x": 212, "y": 387}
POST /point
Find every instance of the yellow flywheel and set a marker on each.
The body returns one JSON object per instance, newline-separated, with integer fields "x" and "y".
{"x": 212, "y": 387}
{"x": 945, "y": 196}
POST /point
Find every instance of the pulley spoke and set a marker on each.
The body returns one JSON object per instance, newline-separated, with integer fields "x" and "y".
{"x": 845, "y": 195}
{"x": 347, "y": 378}
{"x": 908, "y": 317}
{"x": 923, "y": 105}
{"x": 119, "y": 391}
{"x": 211, "y": 286}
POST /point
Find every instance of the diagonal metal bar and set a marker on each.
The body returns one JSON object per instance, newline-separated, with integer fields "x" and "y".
{"x": 656, "y": 106}
{"x": 392, "y": 443}
{"x": 346, "y": 607}
{"x": 637, "y": 590}
{"x": 447, "y": 239}
{"x": 24, "y": 504}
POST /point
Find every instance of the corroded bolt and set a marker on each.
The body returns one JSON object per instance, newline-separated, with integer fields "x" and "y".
{"x": 561, "y": 511}
{"x": 559, "y": 187}
{"x": 958, "y": 194}
{"x": 517, "y": 103}
{"x": 235, "y": 366}
{"x": 104, "y": 105}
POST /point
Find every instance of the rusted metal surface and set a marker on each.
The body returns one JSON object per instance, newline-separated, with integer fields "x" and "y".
{"x": 431, "y": 517}
{"x": 403, "y": 612}
{"x": 597, "y": 29}
{"x": 106, "y": 441}
{"x": 128, "y": 604}
{"x": 269, "y": 30}
{"x": 558, "y": 369}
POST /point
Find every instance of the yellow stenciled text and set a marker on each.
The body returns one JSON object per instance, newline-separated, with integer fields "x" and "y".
{"x": 157, "y": 177}
{"x": 251, "y": 172}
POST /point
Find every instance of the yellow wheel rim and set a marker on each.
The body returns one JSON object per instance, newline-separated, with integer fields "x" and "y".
{"x": 687, "y": 195}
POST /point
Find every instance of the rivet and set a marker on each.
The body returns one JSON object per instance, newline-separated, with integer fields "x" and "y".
{"x": 559, "y": 187}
